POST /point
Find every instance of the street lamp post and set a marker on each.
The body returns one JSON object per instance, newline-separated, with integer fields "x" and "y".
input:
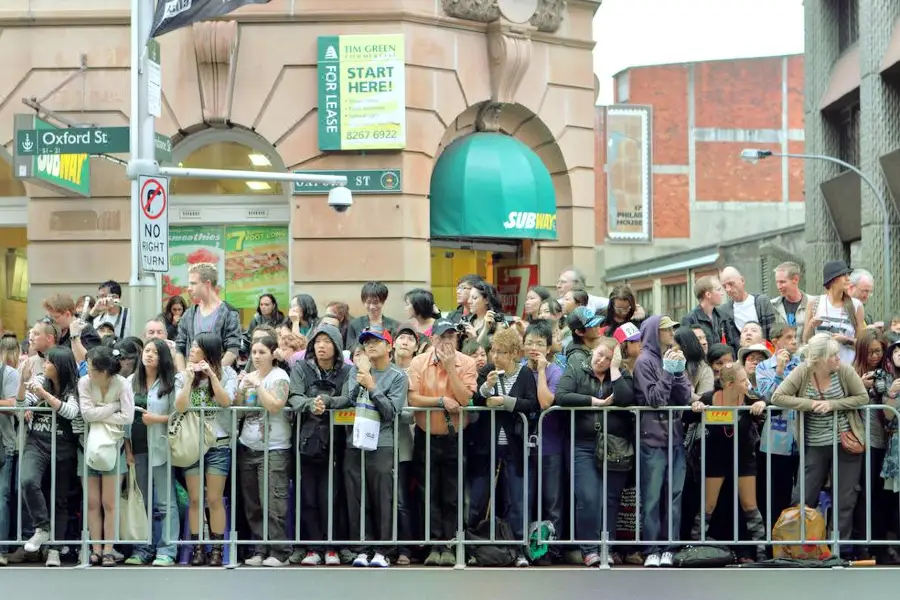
{"x": 754, "y": 155}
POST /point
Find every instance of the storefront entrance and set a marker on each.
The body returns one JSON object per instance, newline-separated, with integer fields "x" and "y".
{"x": 491, "y": 199}
{"x": 241, "y": 226}
{"x": 13, "y": 253}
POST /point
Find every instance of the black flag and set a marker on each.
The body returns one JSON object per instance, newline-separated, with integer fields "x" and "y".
{"x": 175, "y": 14}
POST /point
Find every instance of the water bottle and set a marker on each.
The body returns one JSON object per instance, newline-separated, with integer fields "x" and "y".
{"x": 250, "y": 397}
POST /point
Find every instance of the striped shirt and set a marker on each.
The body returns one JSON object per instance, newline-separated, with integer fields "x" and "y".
{"x": 42, "y": 422}
{"x": 505, "y": 385}
{"x": 819, "y": 429}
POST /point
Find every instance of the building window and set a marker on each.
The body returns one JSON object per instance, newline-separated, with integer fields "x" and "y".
{"x": 847, "y": 124}
{"x": 622, "y": 85}
{"x": 645, "y": 299}
{"x": 675, "y": 300}
{"x": 848, "y": 23}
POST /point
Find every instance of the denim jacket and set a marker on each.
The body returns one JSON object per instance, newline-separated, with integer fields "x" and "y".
{"x": 778, "y": 432}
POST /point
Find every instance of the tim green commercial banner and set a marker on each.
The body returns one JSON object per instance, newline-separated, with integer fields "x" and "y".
{"x": 362, "y": 92}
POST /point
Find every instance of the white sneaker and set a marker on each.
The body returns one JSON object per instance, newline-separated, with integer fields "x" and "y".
{"x": 652, "y": 560}
{"x": 312, "y": 559}
{"x": 274, "y": 562}
{"x": 332, "y": 559}
{"x": 361, "y": 560}
{"x": 52, "y": 558}
{"x": 379, "y": 560}
{"x": 521, "y": 562}
{"x": 254, "y": 561}
{"x": 667, "y": 559}
{"x": 39, "y": 538}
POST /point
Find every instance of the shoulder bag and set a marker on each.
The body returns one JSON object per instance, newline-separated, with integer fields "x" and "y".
{"x": 190, "y": 437}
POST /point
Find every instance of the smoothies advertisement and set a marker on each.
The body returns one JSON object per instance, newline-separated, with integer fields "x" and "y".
{"x": 251, "y": 261}
{"x": 256, "y": 263}
{"x": 187, "y": 246}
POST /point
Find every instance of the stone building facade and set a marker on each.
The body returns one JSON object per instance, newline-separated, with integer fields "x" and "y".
{"x": 248, "y": 85}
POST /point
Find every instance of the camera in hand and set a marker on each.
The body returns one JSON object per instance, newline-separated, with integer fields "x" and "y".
{"x": 881, "y": 381}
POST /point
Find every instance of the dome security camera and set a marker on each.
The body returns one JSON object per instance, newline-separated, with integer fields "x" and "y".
{"x": 340, "y": 199}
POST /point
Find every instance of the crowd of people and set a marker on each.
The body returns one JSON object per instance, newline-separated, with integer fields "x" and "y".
{"x": 194, "y": 403}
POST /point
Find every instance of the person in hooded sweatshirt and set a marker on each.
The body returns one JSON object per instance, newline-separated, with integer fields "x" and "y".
{"x": 316, "y": 385}
{"x": 659, "y": 381}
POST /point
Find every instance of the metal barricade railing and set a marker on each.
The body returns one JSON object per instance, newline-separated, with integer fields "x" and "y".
{"x": 532, "y": 441}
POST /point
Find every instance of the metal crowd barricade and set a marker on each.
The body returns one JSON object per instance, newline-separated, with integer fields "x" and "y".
{"x": 460, "y": 543}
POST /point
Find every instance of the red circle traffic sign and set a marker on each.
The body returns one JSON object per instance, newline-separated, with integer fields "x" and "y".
{"x": 153, "y": 199}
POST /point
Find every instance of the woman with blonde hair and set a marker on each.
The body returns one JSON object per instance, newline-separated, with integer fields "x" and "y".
{"x": 827, "y": 392}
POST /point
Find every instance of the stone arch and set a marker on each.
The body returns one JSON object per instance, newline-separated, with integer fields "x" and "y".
{"x": 214, "y": 147}
{"x": 575, "y": 218}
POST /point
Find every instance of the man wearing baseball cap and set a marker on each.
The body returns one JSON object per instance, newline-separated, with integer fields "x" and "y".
{"x": 584, "y": 325}
{"x": 444, "y": 380}
{"x": 386, "y": 386}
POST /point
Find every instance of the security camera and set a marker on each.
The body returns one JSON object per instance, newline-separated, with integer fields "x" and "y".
{"x": 340, "y": 199}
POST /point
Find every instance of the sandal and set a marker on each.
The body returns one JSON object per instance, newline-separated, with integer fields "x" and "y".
{"x": 94, "y": 559}
{"x": 109, "y": 560}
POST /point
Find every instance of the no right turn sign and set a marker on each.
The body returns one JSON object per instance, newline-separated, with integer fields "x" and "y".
{"x": 154, "y": 224}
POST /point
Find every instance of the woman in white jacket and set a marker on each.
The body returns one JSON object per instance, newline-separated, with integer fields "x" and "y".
{"x": 105, "y": 398}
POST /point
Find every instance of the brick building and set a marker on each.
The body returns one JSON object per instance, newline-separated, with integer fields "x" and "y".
{"x": 853, "y": 113}
{"x": 698, "y": 192}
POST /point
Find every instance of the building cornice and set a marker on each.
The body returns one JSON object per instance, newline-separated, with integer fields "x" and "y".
{"x": 84, "y": 18}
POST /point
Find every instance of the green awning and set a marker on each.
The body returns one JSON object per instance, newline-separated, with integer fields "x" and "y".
{"x": 490, "y": 185}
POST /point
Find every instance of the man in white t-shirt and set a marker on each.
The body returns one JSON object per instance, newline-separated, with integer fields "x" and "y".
{"x": 744, "y": 307}
{"x": 109, "y": 309}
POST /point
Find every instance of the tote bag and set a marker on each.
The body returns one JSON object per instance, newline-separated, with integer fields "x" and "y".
{"x": 366, "y": 423}
{"x": 189, "y": 438}
{"x": 133, "y": 524}
{"x": 102, "y": 448}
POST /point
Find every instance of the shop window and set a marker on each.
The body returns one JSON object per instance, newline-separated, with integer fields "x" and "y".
{"x": 229, "y": 156}
{"x": 675, "y": 300}
{"x": 847, "y": 122}
{"x": 645, "y": 299}
{"x": 449, "y": 264}
{"x": 252, "y": 260}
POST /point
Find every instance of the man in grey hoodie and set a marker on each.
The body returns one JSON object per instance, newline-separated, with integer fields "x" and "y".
{"x": 377, "y": 389}
{"x": 660, "y": 381}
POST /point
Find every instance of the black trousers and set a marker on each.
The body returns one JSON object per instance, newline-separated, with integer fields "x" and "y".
{"x": 36, "y": 460}
{"x": 443, "y": 489}
{"x": 378, "y": 500}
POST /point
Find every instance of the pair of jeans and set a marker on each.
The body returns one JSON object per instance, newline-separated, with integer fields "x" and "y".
{"x": 252, "y": 469}
{"x": 443, "y": 482}
{"x": 408, "y": 513}
{"x": 551, "y": 499}
{"x": 165, "y": 504}
{"x": 377, "y": 478}
{"x": 660, "y": 496}
{"x": 36, "y": 463}
{"x": 595, "y": 515}
{"x": 509, "y": 495}
{"x": 7, "y": 471}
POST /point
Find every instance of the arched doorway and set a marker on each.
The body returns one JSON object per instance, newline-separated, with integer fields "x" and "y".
{"x": 242, "y": 226}
{"x": 13, "y": 250}
{"x": 494, "y": 195}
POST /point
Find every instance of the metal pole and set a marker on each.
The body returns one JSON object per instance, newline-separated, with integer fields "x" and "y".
{"x": 335, "y": 180}
{"x": 141, "y": 289}
{"x": 885, "y": 214}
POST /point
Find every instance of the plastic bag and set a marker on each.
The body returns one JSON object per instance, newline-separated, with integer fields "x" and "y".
{"x": 788, "y": 528}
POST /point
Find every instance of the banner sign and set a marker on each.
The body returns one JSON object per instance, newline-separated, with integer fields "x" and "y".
{"x": 362, "y": 92}
{"x": 628, "y": 175}
{"x": 175, "y": 14}
{"x": 513, "y": 284}
{"x": 256, "y": 263}
{"x": 68, "y": 174}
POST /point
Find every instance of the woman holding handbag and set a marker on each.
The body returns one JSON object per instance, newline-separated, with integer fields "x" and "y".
{"x": 107, "y": 406}
{"x": 147, "y": 449}
{"x": 825, "y": 390}
{"x": 205, "y": 383}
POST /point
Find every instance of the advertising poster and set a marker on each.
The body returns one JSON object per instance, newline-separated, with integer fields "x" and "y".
{"x": 512, "y": 286}
{"x": 628, "y": 180}
{"x": 187, "y": 246}
{"x": 362, "y": 92}
{"x": 256, "y": 263}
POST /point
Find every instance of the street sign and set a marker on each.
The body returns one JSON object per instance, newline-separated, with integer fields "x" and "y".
{"x": 88, "y": 140}
{"x": 154, "y": 79}
{"x": 154, "y": 223}
{"x": 375, "y": 181}
{"x": 163, "y": 147}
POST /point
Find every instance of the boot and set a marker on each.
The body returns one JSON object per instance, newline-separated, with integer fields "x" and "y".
{"x": 215, "y": 555}
{"x": 700, "y": 527}
{"x": 757, "y": 530}
{"x": 199, "y": 557}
